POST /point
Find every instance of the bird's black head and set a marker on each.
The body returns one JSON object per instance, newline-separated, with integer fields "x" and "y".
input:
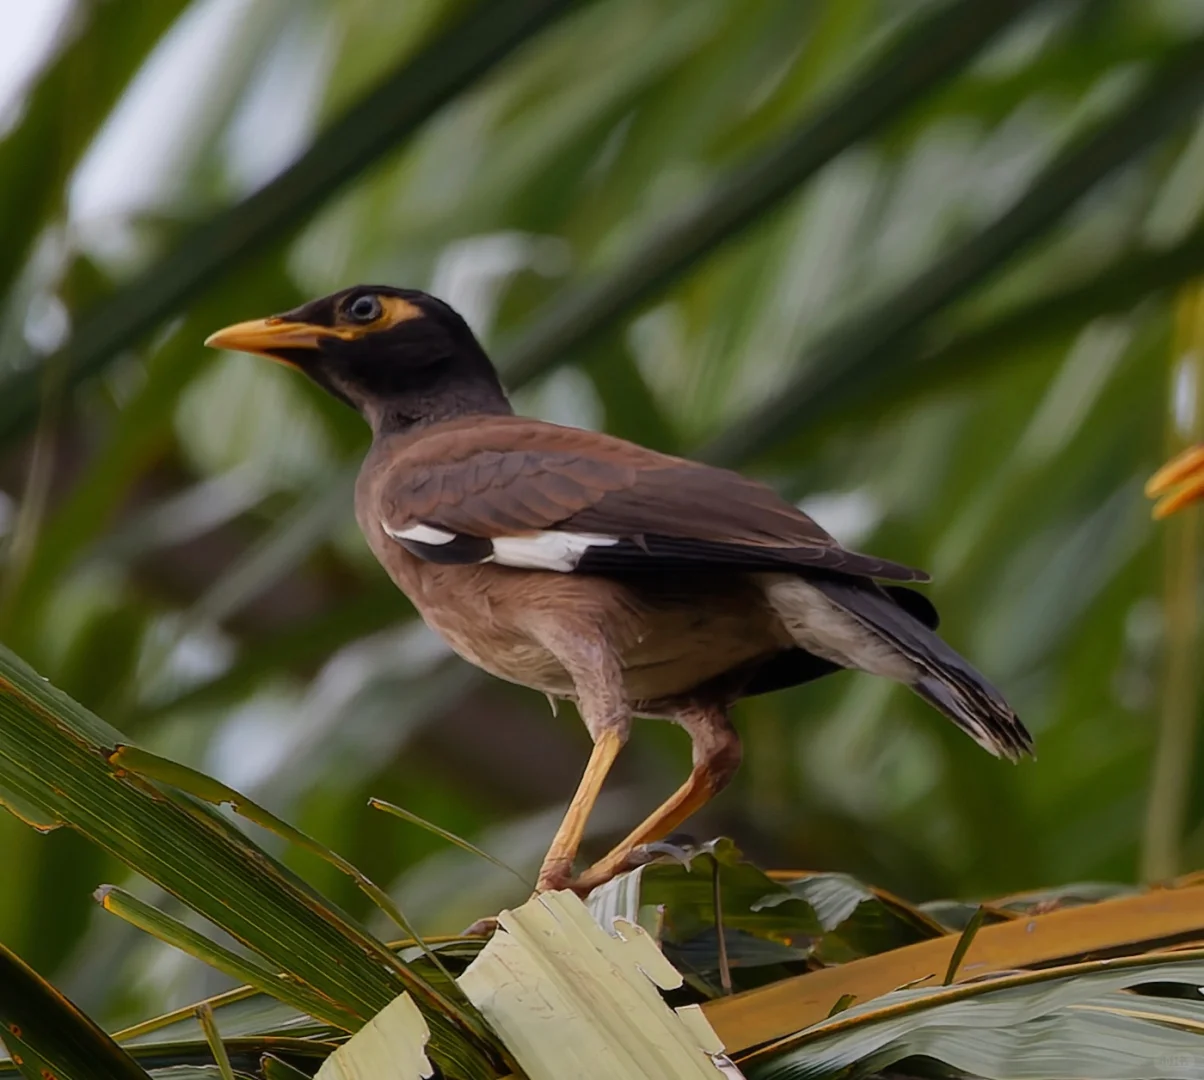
{"x": 399, "y": 356}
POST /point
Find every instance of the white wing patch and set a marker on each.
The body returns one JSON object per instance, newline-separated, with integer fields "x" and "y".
{"x": 546, "y": 550}
{"x": 420, "y": 534}
{"x": 551, "y": 550}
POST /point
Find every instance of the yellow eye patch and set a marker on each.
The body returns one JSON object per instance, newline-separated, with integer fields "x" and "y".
{"x": 394, "y": 310}
{"x": 397, "y": 310}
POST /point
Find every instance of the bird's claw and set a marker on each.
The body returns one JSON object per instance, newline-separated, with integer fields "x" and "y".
{"x": 555, "y": 874}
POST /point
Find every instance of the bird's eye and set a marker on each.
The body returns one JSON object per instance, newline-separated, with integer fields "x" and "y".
{"x": 364, "y": 309}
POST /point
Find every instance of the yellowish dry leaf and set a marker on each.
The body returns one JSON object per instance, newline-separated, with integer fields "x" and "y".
{"x": 391, "y": 1046}
{"x": 1150, "y": 920}
{"x": 571, "y": 1002}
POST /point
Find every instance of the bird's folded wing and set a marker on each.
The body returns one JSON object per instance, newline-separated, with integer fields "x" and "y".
{"x": 534, "y": 495}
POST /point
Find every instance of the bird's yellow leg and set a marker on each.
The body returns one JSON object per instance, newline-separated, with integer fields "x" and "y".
{"x": 695, "y": 793}
{"x": 716, "y": 758}
{"x": 558, "y": 863}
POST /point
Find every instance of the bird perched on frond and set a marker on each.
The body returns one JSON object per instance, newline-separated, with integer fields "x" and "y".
{"x": 596, "y": 570}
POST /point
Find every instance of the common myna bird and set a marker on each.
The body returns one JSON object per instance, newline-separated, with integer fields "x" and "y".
{"x": 593, "y": 569}
{"x": 1178, "y": 483}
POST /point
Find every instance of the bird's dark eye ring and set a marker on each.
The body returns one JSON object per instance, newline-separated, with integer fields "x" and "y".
{"x": 364, "y": 309}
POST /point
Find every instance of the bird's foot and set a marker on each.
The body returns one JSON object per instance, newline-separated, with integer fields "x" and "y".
{"x": 553, "y": 875}
{"x": 559, "y": 875}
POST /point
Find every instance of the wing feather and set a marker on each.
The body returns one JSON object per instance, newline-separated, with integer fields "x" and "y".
{"x": 509, "y": 477}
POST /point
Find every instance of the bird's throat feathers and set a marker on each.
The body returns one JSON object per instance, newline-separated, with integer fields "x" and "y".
{"x": 406, "y": 412}
{"x": 415, "y": 395}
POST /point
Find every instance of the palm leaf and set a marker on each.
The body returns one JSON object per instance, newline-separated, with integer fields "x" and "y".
{"x": 52, "y": 1037}
{"x": 54, "y": 756}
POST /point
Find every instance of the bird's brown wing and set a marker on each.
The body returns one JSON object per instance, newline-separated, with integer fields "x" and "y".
{"x": 525, "y": 493}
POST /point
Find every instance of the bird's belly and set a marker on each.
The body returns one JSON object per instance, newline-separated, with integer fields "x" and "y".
{"x": 672, "y": 658}
{"x": 670, "y": 636}
{"x": 674, "y": 650}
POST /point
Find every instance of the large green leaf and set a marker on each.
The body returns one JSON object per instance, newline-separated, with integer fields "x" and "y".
{"x": 55, "y": 756}
{"x": 303, "y": 1001}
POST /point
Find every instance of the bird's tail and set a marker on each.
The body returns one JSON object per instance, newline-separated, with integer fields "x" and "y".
{"x": 945, "y": 680}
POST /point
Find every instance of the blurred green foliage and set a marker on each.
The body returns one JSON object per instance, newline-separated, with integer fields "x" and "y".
{"x": 913, "y": 261}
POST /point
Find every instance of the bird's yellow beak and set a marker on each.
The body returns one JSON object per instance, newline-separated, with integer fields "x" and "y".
{"x": 1179, "y": 482}
{"x": 267, "y": 337}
